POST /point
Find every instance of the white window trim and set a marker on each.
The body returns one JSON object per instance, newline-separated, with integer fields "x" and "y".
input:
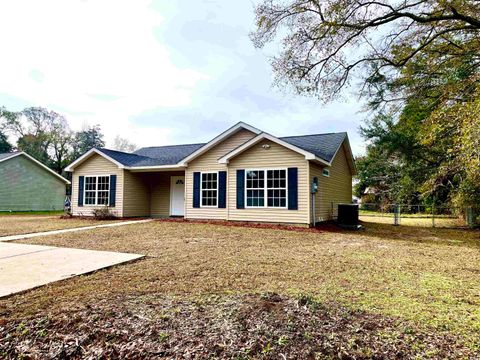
{"x": 96, "y": 189}
{"x": 265, "y": 189}
{"x": 327, "y": 175}
{"x": 201, "y": 189}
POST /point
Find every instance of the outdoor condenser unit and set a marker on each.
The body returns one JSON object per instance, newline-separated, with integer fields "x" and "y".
{"x": 348, "y": 216}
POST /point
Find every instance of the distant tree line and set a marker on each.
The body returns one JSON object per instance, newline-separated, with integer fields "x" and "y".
{"x": 416, "y": 64}
{"x": 47, "y": 136}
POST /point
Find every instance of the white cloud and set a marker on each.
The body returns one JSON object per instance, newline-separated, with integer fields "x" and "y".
{"x": 98, "y": 57}
{"x": 158, "y": 72}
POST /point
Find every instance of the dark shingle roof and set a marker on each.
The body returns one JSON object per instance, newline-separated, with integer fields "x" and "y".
{"x": 170, "y": 154}
{"x": 7, "y": 155}
{"x": 152, "y": 156}
{"x": 124, "y": 158}
{"x": 324, "y": 146}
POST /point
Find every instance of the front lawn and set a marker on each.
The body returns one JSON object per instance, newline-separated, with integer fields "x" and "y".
{"x": 15, "y": 224}
{"x": 13, "y": 213}
{"x": 416, "y": 221}
{"x": 223, "y": 291}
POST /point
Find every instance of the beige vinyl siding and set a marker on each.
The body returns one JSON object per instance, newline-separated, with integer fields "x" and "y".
{"x": 208, "y": 162}
{"x": 279, "y": 157}
{"x": 97, "y": 165}
{"x": 336, "y": 189}
{"x": 160, "y": 193}
{"x": 136, "y": 194}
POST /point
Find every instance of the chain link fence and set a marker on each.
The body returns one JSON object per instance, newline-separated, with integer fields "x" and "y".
{"x": 420, "y": 215}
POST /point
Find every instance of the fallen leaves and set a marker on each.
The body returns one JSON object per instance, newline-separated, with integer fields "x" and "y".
{"x": 266, "y": 326}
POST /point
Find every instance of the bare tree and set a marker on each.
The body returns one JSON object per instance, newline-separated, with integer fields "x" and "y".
{"x": 122, "y": 144}
{"x": 327, "y": 44}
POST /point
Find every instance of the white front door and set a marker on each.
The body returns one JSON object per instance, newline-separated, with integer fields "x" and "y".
{"x": 177, "y": 195}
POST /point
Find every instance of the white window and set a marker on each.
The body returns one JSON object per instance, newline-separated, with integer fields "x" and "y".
{"x": 326, "y": 172}
{"x": 277, "y": 188}
{"x": 266, "y": 188}
{"x": 255, "y": 188}
{"x": 96, "y": 190}
{"x": 209, "y": 189}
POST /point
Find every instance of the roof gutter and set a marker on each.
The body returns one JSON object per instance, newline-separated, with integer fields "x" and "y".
{"x": 157, "y": 167}
{"x": 321, "y": 161}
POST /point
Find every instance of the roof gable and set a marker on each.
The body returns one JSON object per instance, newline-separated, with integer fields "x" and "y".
{"x": 92, "y": 152}
{"x": 321, "y": 148}
{"x": 8, "y": 156}
{"x": 308, "y": 155}
{"x": 218, "y": 139}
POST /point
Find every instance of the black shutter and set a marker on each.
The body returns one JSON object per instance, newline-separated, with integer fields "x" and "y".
{"x": 240, "y": 189}
{"x": 292, "y": 188}
{"x": 196, "y": 189}
{"x": 113, "y": 190}
{"x": 81, "y": 179}
{"x": 222, "y": 189}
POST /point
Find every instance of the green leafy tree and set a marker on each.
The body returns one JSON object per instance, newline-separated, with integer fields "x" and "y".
{"x": 61, "y": 148}
{"x": 41, "y": 133}
{"x": 5, "y": 145}
{"x": 417, "y": 62}
{"x": 457, "y": 129}
{"x": 35, "y": 146}
{"x": 90, "y": 137}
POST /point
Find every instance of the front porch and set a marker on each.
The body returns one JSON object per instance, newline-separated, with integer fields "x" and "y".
{"x": 154, "y": 194}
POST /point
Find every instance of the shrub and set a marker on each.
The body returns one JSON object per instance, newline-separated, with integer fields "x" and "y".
{"x": 103, "y": 214}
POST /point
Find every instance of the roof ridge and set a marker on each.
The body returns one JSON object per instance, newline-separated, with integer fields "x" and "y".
{"x": 11, "y": 152}
{"x": 330, "y": 133}
{"x": 121, "y": 152}
{"x": 149, "y": 147}
{"x": 280, "y": 137}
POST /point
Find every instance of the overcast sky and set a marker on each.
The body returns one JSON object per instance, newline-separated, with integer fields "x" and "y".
{"x": 155, "y": 72}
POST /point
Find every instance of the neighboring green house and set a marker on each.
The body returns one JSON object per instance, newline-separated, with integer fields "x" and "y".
{"x": 28, "y": 185}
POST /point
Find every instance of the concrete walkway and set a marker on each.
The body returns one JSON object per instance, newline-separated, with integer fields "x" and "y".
{"x": 24, "y": 267}
{"x": 54, "y": 232}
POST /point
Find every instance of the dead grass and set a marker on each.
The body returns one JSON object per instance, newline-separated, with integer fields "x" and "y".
{"x": 441, "y": 222}
{"x": 268, "y": 326}
{"x": 25, "y": 224}
{"x": 428, "y": 276}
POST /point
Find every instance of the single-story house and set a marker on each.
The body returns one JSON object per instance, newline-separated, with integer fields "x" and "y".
{"x": 28, "y": 185}
{"x": 243, "y": 174}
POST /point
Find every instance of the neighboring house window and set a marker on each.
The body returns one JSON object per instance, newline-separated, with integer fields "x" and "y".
{"x": 326, "y": 172}
{"x": 266, "y": 188}
{"x": 209, "y": 186}
{"x": 96, "y": 190}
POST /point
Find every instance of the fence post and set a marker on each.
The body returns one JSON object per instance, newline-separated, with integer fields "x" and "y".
{"x": 469, "y": 216}
{"x": 396, "y": 214}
